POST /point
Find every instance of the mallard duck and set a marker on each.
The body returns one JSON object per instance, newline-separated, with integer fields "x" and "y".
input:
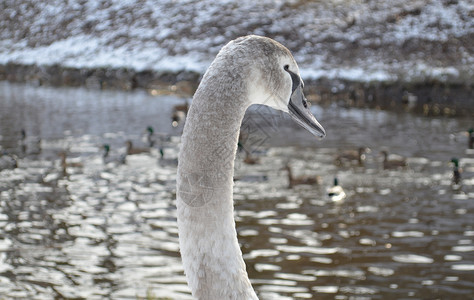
{"x": 107, "y": 158}
{"x": 150, "y": 138}
{"x": 132, "y": 150}
{"x": 181, "y": 107}
{"x": 393, "y": 163}
{"x": 177, "y": 117}
{"x": 456, "y": 171}
{"x": 29, "y": 144}
{"x": 65, "y": 164}
{"x": 250, "y": 160}
{"x": 336, "y": 192}
{"x": 179, "y": 114}
{"x": 304, "y": 179}
{"x": 352, "y": 155}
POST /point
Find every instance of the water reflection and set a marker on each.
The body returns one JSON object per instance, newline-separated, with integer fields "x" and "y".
{"x": 91, "y": 229}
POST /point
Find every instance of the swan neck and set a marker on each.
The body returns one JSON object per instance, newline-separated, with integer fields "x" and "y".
{"x": 211, "y": 255}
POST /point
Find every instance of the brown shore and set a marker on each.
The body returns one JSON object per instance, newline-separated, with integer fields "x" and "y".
{"x": 430, "y": 98}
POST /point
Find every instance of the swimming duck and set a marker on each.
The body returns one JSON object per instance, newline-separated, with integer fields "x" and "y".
{"x": 182, "y": 107}
{"x": 249, "y": 159}
{"x": 393, "y": 163}
{"x": 65, "y": 165}
{"x": 150, "y": 138}
{"x": 336, "y": 192}
{"x": 132, "y": 150}
{"x": 179, "y": 114}
{"x": 304, "y": 179}
{"x": 107, "y": 158}
{"x": 352, "y": 155}
{"x": 29, "y": 144}
{"x": 456, "y": 171}
{"x": 177, "y": 117}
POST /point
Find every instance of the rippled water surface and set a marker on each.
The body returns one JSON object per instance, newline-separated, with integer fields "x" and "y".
{"x": 95, "y": 229}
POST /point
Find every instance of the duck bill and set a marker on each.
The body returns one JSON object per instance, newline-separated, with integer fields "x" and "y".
{"x": 299, "y": 111}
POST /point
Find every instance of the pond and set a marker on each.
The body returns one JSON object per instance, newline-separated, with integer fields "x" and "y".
{"x": 76, "y": 225}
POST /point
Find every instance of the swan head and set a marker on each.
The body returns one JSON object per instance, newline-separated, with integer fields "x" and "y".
{"x": 298, "y": 107}
{"x": 274, "y": 80}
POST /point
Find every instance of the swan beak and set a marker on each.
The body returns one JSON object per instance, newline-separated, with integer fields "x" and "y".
{"x": 298, "y": 108}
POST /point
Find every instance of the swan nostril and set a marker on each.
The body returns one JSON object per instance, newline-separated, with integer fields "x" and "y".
{"x": 305, "y": 103}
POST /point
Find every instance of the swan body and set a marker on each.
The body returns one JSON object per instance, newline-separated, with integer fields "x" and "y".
{"x": 248, "y": 70}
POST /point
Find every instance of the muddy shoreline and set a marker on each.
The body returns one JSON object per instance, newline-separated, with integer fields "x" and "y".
{"x": 430, "y": 98}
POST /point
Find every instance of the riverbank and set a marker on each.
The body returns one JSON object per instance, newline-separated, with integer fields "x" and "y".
{"x": 415, "y": 55}
{"x": 427, "y": 97}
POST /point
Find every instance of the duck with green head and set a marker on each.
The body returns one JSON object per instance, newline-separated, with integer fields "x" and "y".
{"x": 456, "y": 171}
{"x": 336, "y": 193}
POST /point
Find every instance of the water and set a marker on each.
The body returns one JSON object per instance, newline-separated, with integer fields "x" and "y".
{"x": 108, "y": 230}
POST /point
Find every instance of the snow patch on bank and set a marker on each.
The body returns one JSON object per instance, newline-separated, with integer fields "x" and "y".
{"x": 331, "y": 39}
{"x": 351, "y": 74}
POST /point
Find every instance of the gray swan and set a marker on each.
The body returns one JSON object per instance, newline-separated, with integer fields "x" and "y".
{"x": 248, "y": 70}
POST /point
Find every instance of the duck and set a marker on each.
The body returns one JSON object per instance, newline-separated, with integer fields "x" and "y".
{"x": 157, "y": 139}
{"x": 107, "y": 158}
{"x": 150, "y": 137}
{"x": 8, "y": 161}
{"x": 65, "y": 164}
{"x": 457, "y": 171}
{"x": 352, "y": 155}
{"x": 133, "y": 150}
{"x": 393, "y": 163}
{"x": 336, "y": 192}
{"x": 182, "y": 107}
{"x": 29, "y": 144}
{"x": 249, "y": 159}
{"x": 165, "y": 160}
{"x": 300, "y": 180}
{"x": 179, "y": 114}
{"x": 177, "y": 117}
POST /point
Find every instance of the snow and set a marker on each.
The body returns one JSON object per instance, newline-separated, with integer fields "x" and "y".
{"x": 352, "y": 74}
{"x": 353, "y": 40}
